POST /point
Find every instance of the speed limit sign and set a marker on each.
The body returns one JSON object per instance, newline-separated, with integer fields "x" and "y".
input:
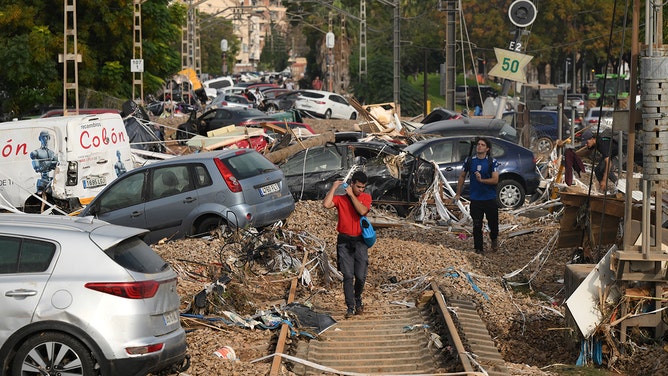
{"x": 510, "y": 65}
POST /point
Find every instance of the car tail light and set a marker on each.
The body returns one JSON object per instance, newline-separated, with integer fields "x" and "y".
{"x": 593, "y": 121}
{"x": 224, "y": 104}
{"x": 320, "y": 102}
{"x": 129, "y": 290}
{"x": 140, "y": 350}
{"x": 72, "y": 173}
{"x": 228, "y": 176}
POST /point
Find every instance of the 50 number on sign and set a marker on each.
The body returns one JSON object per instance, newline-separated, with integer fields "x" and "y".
{"x": 511, "y": 65}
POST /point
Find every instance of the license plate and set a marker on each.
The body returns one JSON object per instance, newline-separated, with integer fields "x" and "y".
{"x": 268, "y": 189}
{"x": 170, "y": 318}
{"x": 94, "y": 182}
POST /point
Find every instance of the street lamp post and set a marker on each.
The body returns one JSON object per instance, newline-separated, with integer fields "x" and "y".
{"x": 329, "y": 42}
{"x": 223, "y": 48}
{"x": 568, "y": 61}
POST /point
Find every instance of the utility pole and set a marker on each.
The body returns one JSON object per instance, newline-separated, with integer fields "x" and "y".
{"x": 70, "y": 56}
{"x": 362, "y": 62}
{"x": 450, "y": 73}
{"x": 397, "y": 58}
{"x": 137, "y": 64}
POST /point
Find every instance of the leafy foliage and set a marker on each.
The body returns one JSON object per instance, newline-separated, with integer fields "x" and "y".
{"x": 31, "y": 39}
{"x": 274, "y": 55}
{"x": 378, "y": 87}
{"x": 212, "y": 30}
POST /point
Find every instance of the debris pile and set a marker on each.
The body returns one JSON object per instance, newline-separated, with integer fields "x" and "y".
{"x": 519, "y": 290}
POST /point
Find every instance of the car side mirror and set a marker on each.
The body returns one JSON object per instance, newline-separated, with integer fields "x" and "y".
{"x": 93, "y": 210}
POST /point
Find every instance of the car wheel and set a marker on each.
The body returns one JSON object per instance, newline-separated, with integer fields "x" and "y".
{"x": 209, "y": 224}
{"x": 53, "y": 353}
{"x": 543, "y": 145}
{"x": 396, "y": 209}
{"x": 353, "y": 116}
{"x": 509, "y": 194}
{"x": 328, "y": 114}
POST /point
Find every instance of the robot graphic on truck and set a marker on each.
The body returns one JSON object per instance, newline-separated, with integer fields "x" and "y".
{"x": 44, "y": 160}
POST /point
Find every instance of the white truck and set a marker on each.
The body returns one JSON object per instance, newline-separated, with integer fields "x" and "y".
{"x": 60, "y": 163}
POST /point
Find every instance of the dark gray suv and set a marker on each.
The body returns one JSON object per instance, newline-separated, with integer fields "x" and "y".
{"x": 193, "y": 194}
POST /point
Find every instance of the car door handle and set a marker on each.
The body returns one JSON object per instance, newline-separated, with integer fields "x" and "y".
{"x": 21, "y": 292}
{"x": 188, "y": 200}
{"x": 449, "y": 169}
{"x": 135, "y": 214}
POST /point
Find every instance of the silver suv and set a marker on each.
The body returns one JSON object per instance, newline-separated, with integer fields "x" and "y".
{"x": 196, "y": 193}
{"x": 84, "y": 297}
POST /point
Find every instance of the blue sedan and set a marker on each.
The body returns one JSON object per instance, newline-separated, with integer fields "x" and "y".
{"x": 518, "y": 176}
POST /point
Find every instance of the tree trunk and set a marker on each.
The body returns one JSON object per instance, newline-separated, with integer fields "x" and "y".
{"x": 282, "y": 154}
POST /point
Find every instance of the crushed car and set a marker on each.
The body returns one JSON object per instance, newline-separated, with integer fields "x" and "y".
{"x": 397, "y": 180}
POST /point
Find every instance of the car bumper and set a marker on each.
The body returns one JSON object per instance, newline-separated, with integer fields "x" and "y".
{"x": 263, "y": 214}
{"x": 311, "y": 112}
{"x": 532, "y": 184}
{"x": 174, "y": 355}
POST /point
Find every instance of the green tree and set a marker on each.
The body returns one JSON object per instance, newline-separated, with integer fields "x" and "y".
{"x": 212, "y": 30}
{"x": 274, "y": 55}
{"x": 31, "y": 38}
{"x": 377, "y": 88}
{"x": 27, "y": 51}
{"x": 561, "y": 29}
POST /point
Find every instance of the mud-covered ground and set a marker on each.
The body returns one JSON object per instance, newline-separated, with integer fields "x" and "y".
{"x": 524, "y": 312}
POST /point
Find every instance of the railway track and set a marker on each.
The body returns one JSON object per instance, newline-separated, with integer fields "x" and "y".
{"x": 441, "y": 337}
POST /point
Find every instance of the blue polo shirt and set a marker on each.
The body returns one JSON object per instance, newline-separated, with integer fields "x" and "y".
{"x": 480, "y": 191}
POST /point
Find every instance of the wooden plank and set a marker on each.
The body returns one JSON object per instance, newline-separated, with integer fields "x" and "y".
{"x": 638, "y": 256}
{"x": 611, "y": 205}
{"x": 285, "y": 328}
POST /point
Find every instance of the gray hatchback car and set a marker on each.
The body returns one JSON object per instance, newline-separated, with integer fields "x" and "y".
{"x": 193, "y": 194}
{"x": 85, "y": 297}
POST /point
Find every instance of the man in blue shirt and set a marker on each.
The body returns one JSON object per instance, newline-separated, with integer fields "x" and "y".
{"x": 484, "y": 171}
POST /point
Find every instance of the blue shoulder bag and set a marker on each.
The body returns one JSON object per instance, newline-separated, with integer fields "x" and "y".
{"x": 368, "y": 233}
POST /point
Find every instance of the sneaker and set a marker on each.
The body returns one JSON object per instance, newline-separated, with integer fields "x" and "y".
{"x": 349, "y": 313}
{"x": 359, "y": 309}
{"x": 479, "y": 251}
{"x": 495, "y": 245}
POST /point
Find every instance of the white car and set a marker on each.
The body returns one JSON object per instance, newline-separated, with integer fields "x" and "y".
{"x": 83, "y": 297}
{"x": 229, "y": 100}
{"x": 593, "y": 115}
{"x": 215, "y": 86}
{"x": 325, "y": 105}
{"x": 578, "y": 101}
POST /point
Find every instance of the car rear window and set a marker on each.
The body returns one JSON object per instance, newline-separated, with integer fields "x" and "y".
{"x": 246, "y": 165}
{"x": 308, "y": 94}
{"x": 133, "y": 254}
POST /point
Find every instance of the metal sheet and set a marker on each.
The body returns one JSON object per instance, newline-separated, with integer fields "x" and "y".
{"x": 584, "y": 302}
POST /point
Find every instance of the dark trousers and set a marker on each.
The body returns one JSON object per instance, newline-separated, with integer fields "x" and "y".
{"x": 600, "y": 171}
{"x": 353, "y": 262}
{"x": 480, "y": 209}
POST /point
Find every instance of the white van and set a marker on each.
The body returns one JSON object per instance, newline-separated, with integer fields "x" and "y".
{"x": 215, "y": 86}
{"x": 64, "y": 161}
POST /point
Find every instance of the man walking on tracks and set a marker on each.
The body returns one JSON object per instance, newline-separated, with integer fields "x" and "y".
{"x": 351, "y": 251}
